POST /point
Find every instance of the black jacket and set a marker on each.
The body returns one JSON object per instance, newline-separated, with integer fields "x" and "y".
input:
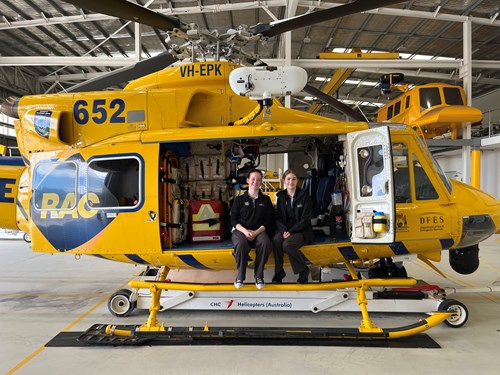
{"x": 302, "y": 210}
{"x": 252, "y": 214}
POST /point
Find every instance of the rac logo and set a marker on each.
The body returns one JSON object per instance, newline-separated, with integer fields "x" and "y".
{"x": 52, "y": 204}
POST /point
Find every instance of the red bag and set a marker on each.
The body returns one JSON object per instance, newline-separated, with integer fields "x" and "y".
{"x": 207, "y": 219}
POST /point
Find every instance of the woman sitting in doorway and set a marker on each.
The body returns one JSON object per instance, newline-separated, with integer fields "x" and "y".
{"x": 293, "y": 219}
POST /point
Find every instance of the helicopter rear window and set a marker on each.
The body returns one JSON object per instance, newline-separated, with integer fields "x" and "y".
{"x": 452, "y": 96}
{"x": 389, "y": 112}
{"x": 424, "y": 190}
{"x": 114, "y": 183}
{"x": 407, "y": 103}
{"x": 429, "y": 97}
{"x": 55, "y": 186}
{"x": 397, "y": 108}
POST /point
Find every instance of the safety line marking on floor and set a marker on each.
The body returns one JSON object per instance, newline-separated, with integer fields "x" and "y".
{"x": 41, "y": 348}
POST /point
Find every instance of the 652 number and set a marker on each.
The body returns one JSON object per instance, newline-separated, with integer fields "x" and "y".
{"x": 99, "y": 111}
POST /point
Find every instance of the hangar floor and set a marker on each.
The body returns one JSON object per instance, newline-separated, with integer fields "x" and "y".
{"x": 42, "y": 295}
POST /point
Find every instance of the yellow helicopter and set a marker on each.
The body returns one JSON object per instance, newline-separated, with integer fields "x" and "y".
{"x": 436, "y": 108}
{"x": 116, "y": 174}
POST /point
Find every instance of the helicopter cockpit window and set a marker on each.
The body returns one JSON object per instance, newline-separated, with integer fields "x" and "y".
{"x": 452, "y": 96}
{"x": 442, "y": 175}
{"x": 402, "y": 190}
{"x": 114, "y": 183}
{"x": 429, "y": 97}
{"x": 424, "y": 190}
{"x": 55, "y": 186}
{"x": 407, "y": 103}
{"x": 371, "y": 171}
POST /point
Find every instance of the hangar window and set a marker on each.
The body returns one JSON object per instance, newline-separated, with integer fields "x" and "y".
{"x": 55, "y": 186}
{"x": 114, "y": 182}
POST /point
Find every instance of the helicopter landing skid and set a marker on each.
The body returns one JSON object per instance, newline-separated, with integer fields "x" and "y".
{"x": 102, "y": 334}
{"x": 121, "y": 334}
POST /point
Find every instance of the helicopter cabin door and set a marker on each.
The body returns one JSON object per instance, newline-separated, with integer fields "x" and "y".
{"x": 369, "y": 166}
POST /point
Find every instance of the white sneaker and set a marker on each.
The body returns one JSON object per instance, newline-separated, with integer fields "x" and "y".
{"x": 238, "y": 284}
{"x": 259, "y": 283}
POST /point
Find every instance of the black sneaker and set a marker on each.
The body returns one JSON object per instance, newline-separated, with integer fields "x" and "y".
{"x": 304, "y": 276}
{"x": 259, "y": 283}
{"x": 279, "y": 276}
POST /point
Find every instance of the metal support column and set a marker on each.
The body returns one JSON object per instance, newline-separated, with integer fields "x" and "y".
{"x": 466, "y": 74}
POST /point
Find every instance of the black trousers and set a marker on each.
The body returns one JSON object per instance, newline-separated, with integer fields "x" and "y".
{"x": 291, "y": 246}
{"x": 242, "y": 246}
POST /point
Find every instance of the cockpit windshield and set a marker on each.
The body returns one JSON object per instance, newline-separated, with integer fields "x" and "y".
{"x": 429, "y": 97}
{"x": 452, "y": 96}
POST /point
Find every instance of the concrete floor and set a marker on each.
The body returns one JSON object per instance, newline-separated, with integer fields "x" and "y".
{"x": 42, "y": 295}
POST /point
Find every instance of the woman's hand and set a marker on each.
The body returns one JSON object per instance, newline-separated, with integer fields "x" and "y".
{"x": 250, "y": 235}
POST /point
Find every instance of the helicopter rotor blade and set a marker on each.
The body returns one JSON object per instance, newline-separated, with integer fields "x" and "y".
{"x": 279, "y": 27}
{"x": 126, "y": 73}
{"x": 129, "y": 11}
{"x": 331, "y": 101}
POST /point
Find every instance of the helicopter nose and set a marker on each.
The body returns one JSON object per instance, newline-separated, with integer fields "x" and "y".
{"x": 476, "y": 228}
{"x": 480, "y": 219}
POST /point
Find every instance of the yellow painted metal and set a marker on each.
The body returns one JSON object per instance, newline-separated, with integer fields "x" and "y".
{"x": 432, "y": 266}
{"x": 270, "y": 287}
{"x": 249, "y": 117}
{"x": 351, "y": 270}
{"x": 340, "y": 75}
{"x": 476, "y": 168}
{"x": 367, "y": 325}
{"x": 112, "y": 331}
{"x": 436, "y": 318}
{"x": 151, "y": 324}
{"x": 359, "y": 55}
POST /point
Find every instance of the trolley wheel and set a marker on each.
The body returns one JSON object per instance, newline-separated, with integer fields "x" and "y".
{"x": 460, "y": 316}
{"x": 119, "y": 303}
{"x": 27, "y": 237}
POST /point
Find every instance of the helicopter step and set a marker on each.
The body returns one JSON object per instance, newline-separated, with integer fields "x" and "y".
{"x": 420, "y": 299}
